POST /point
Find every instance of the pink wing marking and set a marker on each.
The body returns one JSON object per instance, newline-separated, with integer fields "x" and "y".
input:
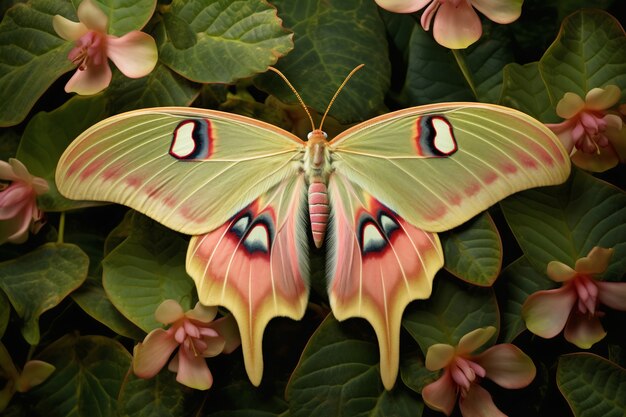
{"x": 434, "y": 136}
{"x": 382, "y": 263}
{"x": 253, "y": 265}
{"x": 193, "y": 140}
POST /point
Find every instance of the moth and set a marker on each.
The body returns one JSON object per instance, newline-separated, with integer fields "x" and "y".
{"x": 253, "y": 196}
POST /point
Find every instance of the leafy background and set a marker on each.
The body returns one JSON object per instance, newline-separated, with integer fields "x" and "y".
{"x": 73, "y": 301}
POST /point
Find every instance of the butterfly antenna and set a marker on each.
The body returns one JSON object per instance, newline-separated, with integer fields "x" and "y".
{"x": 296, "y": 93}
{"x": 332, "y": 100}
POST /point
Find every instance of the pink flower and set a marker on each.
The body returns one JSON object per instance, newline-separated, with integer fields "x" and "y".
{"x": 135, "y": 53}
{"x": 593, "y": 136}
{"x": 504, "y": 364}
{"x": 574, "y": 306}
{"x": 457, "y": 25}
{"x": 18, "y": 202}
{"x": 195, "y": 334}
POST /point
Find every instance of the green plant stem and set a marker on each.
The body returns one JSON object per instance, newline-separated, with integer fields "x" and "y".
{"x": 460, "y": 60}
{"x": 61, "y": 227}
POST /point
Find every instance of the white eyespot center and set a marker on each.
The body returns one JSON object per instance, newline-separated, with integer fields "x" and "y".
{"x": 372, "y": 239}
{"x": 257, "y": 238}
{"x": 444, "y": 139}
{"x": 183, "y": 143}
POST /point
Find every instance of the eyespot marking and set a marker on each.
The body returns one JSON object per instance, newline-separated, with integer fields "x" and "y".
{"x": 435, "y": 137}
{"x": 192, "y": 140}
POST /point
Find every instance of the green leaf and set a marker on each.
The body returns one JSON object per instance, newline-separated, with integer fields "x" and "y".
{"x": 451, "y": 312}
{"x": 125, "y": 15}
{"x": 414, "y": 373}
{"x": 47, "y": 135}
{"x": 516, "y": 283}
{"x": 88, "y": 376}
{"x": 146, "y": 269}
{"x": 5, "y": 313}
{"x": 94, "y": 301}
{"x": 592, "y": 385}
{"x": 473, "y": 251}
{"x": 161, "y": 88}
{"x": 326, "y": 49}
{"x": 338, "y": 374}
{"x": 590, "y": 51}
{"x": 565, "y": 222}
{"x": 40, "y": 280}
{"x": 220, "y": 41}
{"x": 32, "y": 56}
{"x": 523, "y": 89}
{"x": 159, "y": 396}
{"x": 9, "y": 141}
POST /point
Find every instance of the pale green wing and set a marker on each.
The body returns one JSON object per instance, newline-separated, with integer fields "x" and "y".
{"x": 190, "y": 169}
{"x": 439, "y": 165}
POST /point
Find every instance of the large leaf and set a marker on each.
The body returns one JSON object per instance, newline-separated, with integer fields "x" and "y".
{"x": 39, "y": 280}
{"x": 48, "y": 134}
{"x": 32, "y": 56}
{"x": 523, "y": 89}
{"x": 88, "y": 376}
{"x": 331, "y": 39}
{"x": 160, "y": 396}
{"x": 452, "y": 311}
{"x": 592, "y": 385}
{"x": 473, "y": 252}
{"x": 338, "y": 375}
{"x": 517, "y": 282}
{"x": 220, "y": 41}
{"x": 590, "y": 51}
{"x": 161, "y": 88}
{"x": 565, "y": 222}
{"x": 125, "y": 15}
{"x": 5, "y": 313}
{"x": 146, "y": 269}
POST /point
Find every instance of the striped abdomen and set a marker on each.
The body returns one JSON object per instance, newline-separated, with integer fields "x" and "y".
{"x": 318, "y": 210}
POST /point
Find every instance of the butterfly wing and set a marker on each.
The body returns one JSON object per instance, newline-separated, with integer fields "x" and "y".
{"x": 190, "y": 169}
{"x": 256, "y": 265}
{"x": 379, "y": 264}
{"x": 439, "y": 165}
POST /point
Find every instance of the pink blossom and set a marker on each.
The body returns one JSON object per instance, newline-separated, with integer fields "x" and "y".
{"x": 135, "y": 54}
{"x": 574, "y": 306}
{"x": 593, "y": 136}
{"x": 504, "y": 364}
{"x": 456, "y": 24}
{"x": 18, "y": 202}
{"x": 196, "y": 335}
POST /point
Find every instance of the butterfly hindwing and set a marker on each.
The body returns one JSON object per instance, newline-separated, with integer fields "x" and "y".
{"x": 190, "y": 169}
{"x": 378, "y": 264}
{"x": 439, "y": 165}
{"x": 256, "y": 265}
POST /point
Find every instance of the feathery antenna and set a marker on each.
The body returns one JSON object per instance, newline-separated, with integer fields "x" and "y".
{"x": 332, "y": 100}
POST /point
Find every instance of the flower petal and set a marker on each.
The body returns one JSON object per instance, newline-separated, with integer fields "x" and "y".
{"x": 564, "y": 131}
{"x": 227, "y": 328}
{"x": 499, "y": 11}
{"x": 507, "y": 366}
{"x": 559, "y": 272}
{"x": 617, "y": 139}
{"x": 6, "y": 171}
{"x": 596, "y": 262}
{"x": 457, "y": 27}
{"x": 215, "y": 346}
{"x": 439, "y": 356}
{"x": 402, "y": 6}
{"x": 602, "y": 98}
{"x": 40, "y": 185}
{"x": 441, "y": 394}
{"x": 569, "y": 105}
{"x": 92, "y": 16}
{"x": 474, "y": 340}
{"x": 150, "y": 356}
{"x": 68, "y": 30}
{"x": 583, "y": 330}
{"x": 168, "y": 312}
{"x": 478, "y": 403}
{"x": 91, "y": 80}
{"x": 605, "y": 159}
{"x": 612, "y": 294}
{"x": 193, "y": 371}
{"x": 202, "y": 313}
{"x": 135, "y": 54}
{"x": 546, "y": 312}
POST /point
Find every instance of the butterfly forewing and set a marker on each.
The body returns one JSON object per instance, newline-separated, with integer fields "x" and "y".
{"x": 437, "y": 166}
{"x": 190, "y": 169}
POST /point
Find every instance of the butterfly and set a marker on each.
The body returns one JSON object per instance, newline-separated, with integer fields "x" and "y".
{"x": 253, "y": 196}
